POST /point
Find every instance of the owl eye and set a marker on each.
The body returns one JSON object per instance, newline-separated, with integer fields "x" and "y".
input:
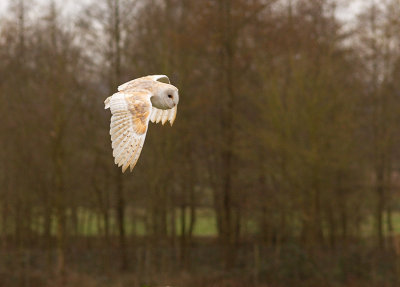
{"x": 170, "y": 96}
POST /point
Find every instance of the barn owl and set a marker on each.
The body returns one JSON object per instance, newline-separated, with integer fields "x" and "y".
{"x": 136, "y": 102}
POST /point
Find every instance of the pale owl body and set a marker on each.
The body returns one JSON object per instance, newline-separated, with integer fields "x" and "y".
{"x": 150, "y": 98}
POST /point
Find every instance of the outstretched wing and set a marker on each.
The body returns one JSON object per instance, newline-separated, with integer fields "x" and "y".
{"x": 158, "y": 115}
{"x": 130, "y": 84}
{"x": 129, "y": 121}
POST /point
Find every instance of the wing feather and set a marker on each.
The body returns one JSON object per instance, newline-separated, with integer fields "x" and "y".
{"x": 136, "y": 145}
{"x": 119, "y": 133}
{"x": 172, "y": 115}
{"x": 165, "y": 115}
{"x": 130, "y": 84}
{"x": 153, "y": 114}
{"x": 129, "y": 121}
{"x": 121, "y": 148}
{"x": 133, "y": 147}
{"x": 158, "y": 115}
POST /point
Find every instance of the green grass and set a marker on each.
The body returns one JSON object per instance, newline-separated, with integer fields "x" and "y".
{"x": 369, "y": 225}
{"x": 206, "y": 224}
{"x": 91, "y": 223}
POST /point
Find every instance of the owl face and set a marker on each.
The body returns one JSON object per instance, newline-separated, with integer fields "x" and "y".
{"x": 171, "y": 97}
{"x": 166, "y": 97}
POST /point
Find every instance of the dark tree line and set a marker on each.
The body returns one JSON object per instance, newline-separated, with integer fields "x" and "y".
{"x": 286, "y": 135}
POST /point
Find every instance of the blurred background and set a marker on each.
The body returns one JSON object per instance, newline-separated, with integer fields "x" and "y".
{"x": 282, "y": 167}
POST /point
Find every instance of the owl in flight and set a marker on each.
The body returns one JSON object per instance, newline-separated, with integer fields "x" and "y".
{"x": 136, "y": 102}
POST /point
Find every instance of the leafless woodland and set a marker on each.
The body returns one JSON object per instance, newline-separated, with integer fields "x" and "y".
{"x": 282, "y": 167}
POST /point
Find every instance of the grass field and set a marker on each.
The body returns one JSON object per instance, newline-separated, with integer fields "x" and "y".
{"x": 369, "y": 225}
{"x": 91, "y": 223}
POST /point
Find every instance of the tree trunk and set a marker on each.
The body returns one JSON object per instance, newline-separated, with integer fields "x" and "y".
{"x": 121, "y": 220}
{"x": 380, "y": 206}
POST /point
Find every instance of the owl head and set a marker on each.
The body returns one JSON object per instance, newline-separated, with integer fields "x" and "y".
{"x": 165, "y": 97}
